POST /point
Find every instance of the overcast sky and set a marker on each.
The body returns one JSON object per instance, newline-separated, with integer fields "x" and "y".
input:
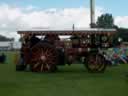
{"x": 21, "y": 14}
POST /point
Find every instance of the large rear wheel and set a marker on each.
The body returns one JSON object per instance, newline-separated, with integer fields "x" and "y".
{"x": 44, "y": 58}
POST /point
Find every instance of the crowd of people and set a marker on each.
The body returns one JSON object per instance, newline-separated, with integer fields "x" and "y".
{"x": 117, "y": 55}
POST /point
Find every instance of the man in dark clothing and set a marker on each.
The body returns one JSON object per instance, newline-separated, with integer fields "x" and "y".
{"x": 2, "y": 58}
{"x": 33, "y": 40}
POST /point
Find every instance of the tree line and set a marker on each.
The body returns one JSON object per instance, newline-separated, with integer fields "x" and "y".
{"x": 4, "y": 38}
{"x": 107, "y": 21}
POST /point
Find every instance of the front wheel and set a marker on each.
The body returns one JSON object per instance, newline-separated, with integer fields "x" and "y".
{"x": 95, "y": 63}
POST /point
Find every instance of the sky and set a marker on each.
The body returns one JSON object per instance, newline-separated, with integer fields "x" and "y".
{"x": 21, "y": 14}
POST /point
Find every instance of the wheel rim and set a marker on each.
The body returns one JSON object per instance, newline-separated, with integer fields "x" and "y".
{"x": 96, "y": 63}
{"x": 44, "y": 58}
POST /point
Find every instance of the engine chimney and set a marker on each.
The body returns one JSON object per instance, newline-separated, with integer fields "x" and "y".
{"x": 92, "y": 13}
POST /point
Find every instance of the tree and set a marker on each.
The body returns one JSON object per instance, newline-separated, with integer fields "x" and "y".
{"x": 123, "y": 33}
{"x": 105, "y": 21}
{"x": 3, "y": 38}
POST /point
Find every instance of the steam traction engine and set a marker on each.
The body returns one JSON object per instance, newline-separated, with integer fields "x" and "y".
{"x": 44, "y": 50}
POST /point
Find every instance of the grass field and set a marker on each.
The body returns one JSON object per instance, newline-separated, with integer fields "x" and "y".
{"x": 69, "y": 81}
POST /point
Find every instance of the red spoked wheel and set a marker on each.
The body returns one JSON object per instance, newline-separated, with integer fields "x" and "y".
{"x": 95, "y": 63}
{"x": 44, "y": 58}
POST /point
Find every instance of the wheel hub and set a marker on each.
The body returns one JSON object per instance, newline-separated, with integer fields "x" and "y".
{"x": 43, "y": 58}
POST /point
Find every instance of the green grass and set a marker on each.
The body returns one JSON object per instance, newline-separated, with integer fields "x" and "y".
{"x": 69, "y": 81}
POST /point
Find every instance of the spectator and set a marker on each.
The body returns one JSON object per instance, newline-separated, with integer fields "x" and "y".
{"x": 2, "y": 58}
